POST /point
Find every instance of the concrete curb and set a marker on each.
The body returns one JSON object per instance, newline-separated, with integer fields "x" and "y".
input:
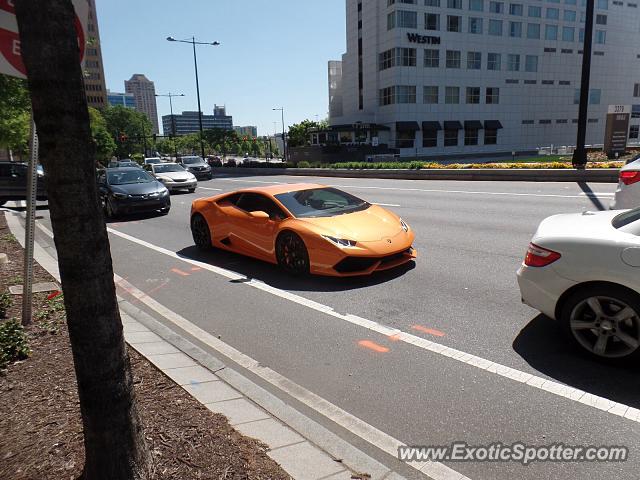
{"x": 597, "y": 175}
{"x": 304, "y": 449}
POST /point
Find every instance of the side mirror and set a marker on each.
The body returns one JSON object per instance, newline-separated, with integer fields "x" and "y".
{"x": 259, "y": 215}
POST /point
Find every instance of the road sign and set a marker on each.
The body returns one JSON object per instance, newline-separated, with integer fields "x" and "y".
{"x": 10, "y": 54}
{"x": 616, "y": 130}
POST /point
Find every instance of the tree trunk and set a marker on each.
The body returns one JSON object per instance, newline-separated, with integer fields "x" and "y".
{"x": 114, "y": 443}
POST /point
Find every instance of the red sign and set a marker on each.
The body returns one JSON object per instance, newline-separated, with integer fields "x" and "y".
{"x": 10, "y": 53}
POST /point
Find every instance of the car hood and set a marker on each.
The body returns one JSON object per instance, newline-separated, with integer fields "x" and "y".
{"x": 370, "y": 225}
{"x": 138, "y": 188}
{"x": 195, "y": 165}
{"x": 175, "y": 175}
{"x": 587, "y": 225}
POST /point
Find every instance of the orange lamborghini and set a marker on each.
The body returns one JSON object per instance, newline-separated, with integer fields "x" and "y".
{"x": 304, "y": 228}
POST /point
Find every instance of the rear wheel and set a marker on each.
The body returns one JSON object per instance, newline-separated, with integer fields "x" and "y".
{"x": 604, "y": 321}
{"x": 292, "y": 254}
{"x": 200, "y": 232}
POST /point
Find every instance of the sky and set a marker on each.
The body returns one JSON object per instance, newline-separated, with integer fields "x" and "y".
{"x": 273, "y": 53}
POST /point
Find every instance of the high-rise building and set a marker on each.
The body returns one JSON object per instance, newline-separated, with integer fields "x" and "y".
{"x": 249, "y": 131}
{"x": 188, "y": 122}
{"x": 123, "y": 99}
{"x": 144, "y": 92}
{"x": 94, "y": 82}
{"x": 452, "y": 77}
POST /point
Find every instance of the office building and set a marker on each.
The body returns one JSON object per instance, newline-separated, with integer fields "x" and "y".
{"x": 250, "y": 131}
{"x": 122, "y": 99}
{"x": 144, "y": 92}
{"x": 188, "y": 122}
{"x": 94, "y": 81}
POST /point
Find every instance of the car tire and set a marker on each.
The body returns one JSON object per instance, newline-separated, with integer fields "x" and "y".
{"x": 191, "y": 190}
{"x": 200, "y": 232}
{"x": 593, "y": 320}
{"x": 165, "y": 211}
{"x": 292, "y": 254}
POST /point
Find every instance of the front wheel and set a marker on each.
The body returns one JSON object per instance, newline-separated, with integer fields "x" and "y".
{"x": 292, "y": 254}
{"x": 191, "y": 190}
{"x": 604, "y": 321}
{"x": 200, "y": 232}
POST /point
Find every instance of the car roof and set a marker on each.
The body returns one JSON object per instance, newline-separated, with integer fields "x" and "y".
{"x": 283, "y": 188}
{"x": 121, "y": 169}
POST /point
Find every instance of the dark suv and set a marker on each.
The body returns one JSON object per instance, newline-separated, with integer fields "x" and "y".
{"x": 198, "y": 167}
{"x": 13, "y": 182}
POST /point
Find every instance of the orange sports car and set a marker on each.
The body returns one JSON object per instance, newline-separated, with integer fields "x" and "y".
{"x": 304, "y": 228}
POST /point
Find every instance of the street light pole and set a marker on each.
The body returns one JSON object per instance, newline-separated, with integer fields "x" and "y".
{"x": 195, "y": 64}
{"x": 580, "y": 153}
{"x": 173, "y": 119}
{"x": 284, "y": 138}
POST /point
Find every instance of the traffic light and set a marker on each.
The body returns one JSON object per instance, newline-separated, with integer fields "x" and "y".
{"x": 123, "y": 137}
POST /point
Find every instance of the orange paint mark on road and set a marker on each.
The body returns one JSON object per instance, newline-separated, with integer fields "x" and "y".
{"x": 394, "y": 338}
{"x": 180, "y": 272}
{"x": 373, "y": 346}
{"x": 428, "y": 331}
{"x": 195, "y": 269}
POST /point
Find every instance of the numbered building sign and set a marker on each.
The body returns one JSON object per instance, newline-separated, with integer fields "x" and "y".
{"x": 617, "y": 130}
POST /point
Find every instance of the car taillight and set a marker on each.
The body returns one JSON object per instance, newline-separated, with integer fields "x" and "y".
{"x": 629, "y": 177}
{"x": 540, "y": 257}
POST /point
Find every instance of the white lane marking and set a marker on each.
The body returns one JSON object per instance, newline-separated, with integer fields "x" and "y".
{"x": 386, "y": 204}
{"x": 427, "y": 190}
{"x": 540, "y": 383}
{"x": 353, "y": 424}
{"x": 213, "y": 189}
{"x": 597, "y": 194}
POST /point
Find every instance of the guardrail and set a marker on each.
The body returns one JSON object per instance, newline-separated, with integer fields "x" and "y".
{"x": 599, "y": 175}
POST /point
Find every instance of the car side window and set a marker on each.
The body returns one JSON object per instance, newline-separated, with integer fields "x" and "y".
{"x": 253, "y": 202}
{"x": 18, "y": 171}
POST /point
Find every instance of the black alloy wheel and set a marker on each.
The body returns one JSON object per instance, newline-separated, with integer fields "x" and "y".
{"x": 292, "y": 254}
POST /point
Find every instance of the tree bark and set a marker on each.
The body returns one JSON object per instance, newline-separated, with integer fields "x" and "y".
{"x": 114, "y": 443}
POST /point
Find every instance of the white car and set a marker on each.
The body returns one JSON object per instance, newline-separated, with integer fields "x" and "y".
{"x": 584, "y": 271}
{"x": 174, "y": 176}
{"x": 628, "y": 192}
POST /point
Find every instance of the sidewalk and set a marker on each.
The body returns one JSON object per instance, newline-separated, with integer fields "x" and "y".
{"x": 305, "y": 449}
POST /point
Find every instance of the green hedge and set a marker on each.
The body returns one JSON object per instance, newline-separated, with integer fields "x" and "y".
{"x": 13, "y": 343}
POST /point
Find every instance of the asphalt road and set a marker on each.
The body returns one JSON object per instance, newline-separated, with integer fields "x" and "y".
{"x": 461, "y": 293}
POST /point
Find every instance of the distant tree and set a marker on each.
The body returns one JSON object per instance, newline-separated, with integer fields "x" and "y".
{"x": 298, "y": 135}
{"x": 15, "y": 118}
{"x": 166, "y": 146}
{"x": 105, "y": 144}
{"x": 126, "y": 127}
{"x": 188, "y": 143}
{"x": 114, "y": 442}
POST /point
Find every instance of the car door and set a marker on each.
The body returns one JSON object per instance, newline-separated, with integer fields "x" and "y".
{"x": 18, "y": 181}
{"x": 5, "y": 179}
{"x": 254, "y": 235}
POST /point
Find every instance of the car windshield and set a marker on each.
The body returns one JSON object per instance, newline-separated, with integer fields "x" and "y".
{"x": 128, "y": 177}
{"x": 192, "y": 160}
{"x": 628, "y": 221}
{"x": 321, "y": 202}
{"x": 150, "y": 161}
{"x": 167, "y": 168}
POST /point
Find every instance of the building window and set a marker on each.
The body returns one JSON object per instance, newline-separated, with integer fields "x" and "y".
{"x": 452, "y": 95}
{"x": 512, "y": 81}
{"x": 531, "y": 63}
{"x": 601, "y": 37}
{"x": 545, "y": 122}
{"x": 490, "y": 136}
{"x": 405, "y": 138}
{"x": 533, "y": 30}
{"x": 474, "y": 60}
{"x": 391, "y": 21}
{"x": 535, "y": 11}
{"x": 592, "y": 120}
{"x": 406, "y": 57}
{"x": 547, "y": 82}
{"x": 431, "y": 94}
{"x": 515, "y": 29}
{"x": 432, "y": 21}
{"x": 581, "y": 37}
{"x": 634, "y": 131}
{"x": 551, "y": 32}
{"x": 451, "y": 137}
{"x": 496, "y": 7}
{"x": 454, "y": 23}
{"x": 528, "y": 122}
{"x": 429, "y": 138}
{"x": 432, "y": 3}
{"x": 553, "y": 14}
{"x": 594, "y": 96}
{"x": 562, "y": 121}
{"x": 495, "y": 27}
{"x": 569, "y": 16}
{"x": 387, "y": 96}
{"x": 475, "y": 25}
{"x": 570, "y": 2}
{"x": 602, "y": 4}
{"x": 402, "y": 19}
{"x": 473, "y": 95}
{"x": 515, "y": 9}
{"x": 493, "y": 61}
{"x": 636, "y": 89}
{"x": 388, "y": 59}
{"x": 431, "y": 58}
{"x": 453, "y": 59}
{"x": 493, "y": 96}
{"x": 513, "y": 62}
{"x": 576, "y": 96}
{"x": 471, "y": 136}
{"x": 476, "y": 5}
{"x": 454, "y": 4}
{"x": 568, "y": 34}
{"x": 601, "y": 19}
{"x": 405, "y": 94}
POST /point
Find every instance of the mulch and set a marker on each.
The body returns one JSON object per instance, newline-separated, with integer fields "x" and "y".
{"x": 41, "y": 433}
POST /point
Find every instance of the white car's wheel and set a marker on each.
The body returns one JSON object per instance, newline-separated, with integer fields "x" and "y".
{"x": 604, "y": 321}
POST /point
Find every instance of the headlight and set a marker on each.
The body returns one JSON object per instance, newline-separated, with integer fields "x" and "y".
{"x": 163, "y": 179}
{"x": 164, "y": 193}
{"x": 404, "y": 226}
{"x": 192, "y": 177}
{"x": 340, "y": 241}
{"x": 120, "y": 196}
